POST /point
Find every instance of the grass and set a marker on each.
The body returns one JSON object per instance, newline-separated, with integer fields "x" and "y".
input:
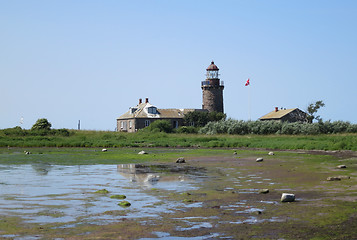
{"x": 105, "y": 139}
{"x": 84, "y": 156}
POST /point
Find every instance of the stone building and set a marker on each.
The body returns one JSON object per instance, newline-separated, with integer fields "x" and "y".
{"x": 286, "y": 115}
{"x": 212, "y": 90}
{"x": 143, "y": 114}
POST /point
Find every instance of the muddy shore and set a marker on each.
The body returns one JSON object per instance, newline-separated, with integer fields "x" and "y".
{"x": 213, "y": 197}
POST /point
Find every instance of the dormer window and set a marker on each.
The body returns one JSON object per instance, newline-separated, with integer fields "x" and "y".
{"x": 152, "y": 110}
{"x": 132, "y": 110}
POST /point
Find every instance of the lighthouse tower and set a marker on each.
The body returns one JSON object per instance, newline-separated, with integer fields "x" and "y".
{"x": 212, "y": 90}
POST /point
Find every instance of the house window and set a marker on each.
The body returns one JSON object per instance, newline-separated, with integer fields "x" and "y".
{"x": 152, "y": 110}
{"x": 175, "y": 124}
{"x": 130, "y": 124}
{"x": 121, "y": 124}
{"x": 147, "y": 123}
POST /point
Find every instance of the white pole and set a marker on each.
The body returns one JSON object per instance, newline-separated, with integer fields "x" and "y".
{"x": 250, "y": 104}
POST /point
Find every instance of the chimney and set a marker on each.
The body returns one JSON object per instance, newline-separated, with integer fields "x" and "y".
{"x": 276, "y": 109}
{"x": 146, "y": 100}
{"x": 140, "y": 101}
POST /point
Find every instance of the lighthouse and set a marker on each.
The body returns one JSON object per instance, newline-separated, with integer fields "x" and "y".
{"x": 212, "y": 90}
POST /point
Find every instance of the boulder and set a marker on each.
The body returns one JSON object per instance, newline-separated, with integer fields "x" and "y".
{"x": 333, "y": 179}
{"x": 124, "y": 204}
{"x": 259, "y": 160}
{"x": 258, "y": 212}
{"x": 118, "y": 196}
{"x": 152, "y": 178}
{"x": 102, "y": 191}
{"x": 287, "y": 197}
{"x": 180, "y": 160}
{"x": 264, "y": 191}
{"x": 104, "y": 150}
{"x": 341, "y": 166}
{"x": 234, "y": 153}
{"x": 271, "y": 153}
{"x": 142, "y": 152}
{"x": 344, "y": 177}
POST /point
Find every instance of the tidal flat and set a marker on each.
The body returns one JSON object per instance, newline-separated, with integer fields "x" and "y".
{"x": 58, "y": 193}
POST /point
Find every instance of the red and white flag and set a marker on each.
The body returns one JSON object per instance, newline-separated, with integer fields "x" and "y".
{"x": 247, "y": 83}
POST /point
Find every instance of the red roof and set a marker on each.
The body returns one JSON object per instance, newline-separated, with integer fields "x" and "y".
{"x": 212, "y": 67}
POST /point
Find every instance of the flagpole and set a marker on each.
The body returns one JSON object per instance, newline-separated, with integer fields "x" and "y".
{"x": 250, "y": 104}
{"x": 247, "y": 84}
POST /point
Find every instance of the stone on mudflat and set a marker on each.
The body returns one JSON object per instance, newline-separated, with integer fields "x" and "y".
{"x": 124, "y": 204}
{"x": 271, "y": 153}
{"x": 258, "y": 212}
{"x": 333, "y": 179}
{"x": 180, "y": 160}
{"x": 259, "y": 160}
{"x": 264, "y": 191}
{"x": 344, "y": 177}
{"x": 102, "y": 191}
{"x": 152, "y": 178}
{"x": 341, "y": 166}
{"x": 142, "y": 152}
{"x": 287, "y": 197}
{"x": 118, "y": 196}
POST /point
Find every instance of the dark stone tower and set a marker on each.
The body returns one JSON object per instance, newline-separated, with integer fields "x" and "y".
{"x": 212, "y": 90}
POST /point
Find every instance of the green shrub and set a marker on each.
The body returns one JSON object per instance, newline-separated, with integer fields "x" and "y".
{"x": 41, "y": 124}
{"x": 159, "y": 126}
{"x": 16, "y": 131}
{"x": 240, "y": 127}
{"x": 189, "y": 129}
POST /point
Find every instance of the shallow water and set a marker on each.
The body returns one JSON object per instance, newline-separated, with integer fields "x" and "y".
{"x": 42, "y": 193}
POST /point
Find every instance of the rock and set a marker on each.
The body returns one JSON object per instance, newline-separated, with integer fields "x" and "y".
{"x": 287, "y": 197}
{"x": 259, "y": 160}
{"x": 118, "y": 196}
{"x": 344, "y": 177}
{"x": 104, "y": 150}
{"x": 152, "y": 178}
{"x": 142, "y": 152}
{"x": 27, "y": 153}
{"x": 258, "y": 212}
{"x": 341, "y": 166}
{"x": 180, "y": 160}
{"x": 264, "y": 191}
{"x": 271, "y": 153}
{"x": 235, "y": 153}
{"x": 333, "y": 179}
{"x": 102, "y": 191}
{"x": 124, "y": 204}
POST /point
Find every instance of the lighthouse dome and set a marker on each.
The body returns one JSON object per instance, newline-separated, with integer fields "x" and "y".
{"x": 212, "y": 67}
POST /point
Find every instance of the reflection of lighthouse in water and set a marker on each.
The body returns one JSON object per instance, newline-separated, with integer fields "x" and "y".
{"x": 144, "y": 176}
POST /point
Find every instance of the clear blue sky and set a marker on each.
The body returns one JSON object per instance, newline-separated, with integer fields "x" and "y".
{"x": 70, "y": 60}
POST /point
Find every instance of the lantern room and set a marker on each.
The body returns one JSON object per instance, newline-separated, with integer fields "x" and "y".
{"x": 212, "y": 71}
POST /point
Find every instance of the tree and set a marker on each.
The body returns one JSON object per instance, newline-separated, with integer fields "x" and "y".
{"x": 160, "y": 126}
{"x": 200, "y": 118}
{"x": 312, "y": 110}
{"x": 42, "y": 124}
